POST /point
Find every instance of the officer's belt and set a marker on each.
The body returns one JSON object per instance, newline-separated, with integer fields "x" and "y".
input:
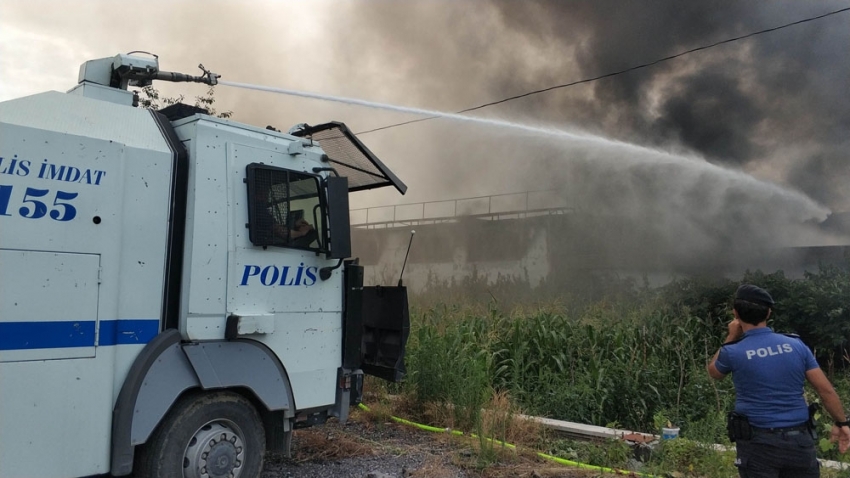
{"x": 799, "y": 428}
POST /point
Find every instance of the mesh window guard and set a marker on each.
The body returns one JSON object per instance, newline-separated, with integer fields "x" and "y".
{"x": 351, "y": 158}
{"x": 279, "y": 200}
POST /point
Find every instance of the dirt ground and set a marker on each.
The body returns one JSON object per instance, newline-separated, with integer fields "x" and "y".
{"x": 364, "y": 448}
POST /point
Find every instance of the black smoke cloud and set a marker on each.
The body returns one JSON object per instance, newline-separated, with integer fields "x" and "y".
{"x": 771, "y": 104}
{"x": 718, "y": 101}
{"x": 759, "y": 125}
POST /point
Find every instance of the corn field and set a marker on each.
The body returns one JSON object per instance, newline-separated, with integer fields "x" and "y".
{"x": 634, "y": 359}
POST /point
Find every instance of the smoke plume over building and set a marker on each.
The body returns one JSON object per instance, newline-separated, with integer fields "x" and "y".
{"x": 715, "y": 152}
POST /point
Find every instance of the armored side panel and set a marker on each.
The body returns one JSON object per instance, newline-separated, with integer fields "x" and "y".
{"x": 84, "y": 208}
{"x": 273, "y": 294}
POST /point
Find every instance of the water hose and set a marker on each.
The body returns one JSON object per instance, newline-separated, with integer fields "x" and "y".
{"x": 545, "y": 456}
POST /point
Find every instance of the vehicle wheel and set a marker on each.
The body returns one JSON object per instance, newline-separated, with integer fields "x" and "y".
{"x": 208, "y": 435}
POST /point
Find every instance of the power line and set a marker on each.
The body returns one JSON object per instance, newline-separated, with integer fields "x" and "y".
{"x": 620, "y": 72}
{"x": 660, "y": 60}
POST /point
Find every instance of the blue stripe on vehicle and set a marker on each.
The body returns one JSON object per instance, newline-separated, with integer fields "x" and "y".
{"x": 127, "y": 332}
{"x": 72, "y": 334}
{"x": 46, "y": 335}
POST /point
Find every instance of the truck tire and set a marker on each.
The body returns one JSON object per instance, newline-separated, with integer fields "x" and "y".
{"x": 205, "y": 435}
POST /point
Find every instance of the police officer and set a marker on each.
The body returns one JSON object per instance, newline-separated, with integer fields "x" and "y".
{"x": 769, "y": 371}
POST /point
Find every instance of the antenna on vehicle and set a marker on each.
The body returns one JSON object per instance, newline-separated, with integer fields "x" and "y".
{"x": 409, "y": 243}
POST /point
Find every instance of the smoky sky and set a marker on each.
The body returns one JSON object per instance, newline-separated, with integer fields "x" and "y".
{"x": 772, "y": 103}
{"x": 760, "y": 124}
{"x": 741, "y": 144}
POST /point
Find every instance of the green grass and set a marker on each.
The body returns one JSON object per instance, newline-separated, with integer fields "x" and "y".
{"x": 633, "y": 357}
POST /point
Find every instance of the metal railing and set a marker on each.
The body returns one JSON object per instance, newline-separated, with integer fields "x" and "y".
{"x": 494, "y": 207}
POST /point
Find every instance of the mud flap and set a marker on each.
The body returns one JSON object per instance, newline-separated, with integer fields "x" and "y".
{"x": 386, "y": 326}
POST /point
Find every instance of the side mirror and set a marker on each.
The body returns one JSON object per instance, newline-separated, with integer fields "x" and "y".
{"x": 339, "y": 224}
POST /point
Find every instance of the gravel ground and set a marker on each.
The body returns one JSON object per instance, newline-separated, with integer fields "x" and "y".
{"x": 366, "y": 449}
{"x": 363, "y": 449}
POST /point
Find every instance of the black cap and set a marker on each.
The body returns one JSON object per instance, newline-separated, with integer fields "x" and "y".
{"x": 756, "y": 295}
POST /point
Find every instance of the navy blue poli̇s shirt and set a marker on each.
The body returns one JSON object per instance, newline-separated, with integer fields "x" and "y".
{"x": 769, "y": 371}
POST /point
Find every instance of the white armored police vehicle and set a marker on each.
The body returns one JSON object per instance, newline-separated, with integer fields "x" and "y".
{"x": 176, "y": 292}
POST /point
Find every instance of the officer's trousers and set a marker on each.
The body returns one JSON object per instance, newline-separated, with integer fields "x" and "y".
{"x": 781, "y": 454}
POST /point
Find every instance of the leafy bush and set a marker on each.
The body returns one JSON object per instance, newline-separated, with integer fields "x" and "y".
{"x": 692, "y": 457}
{"x": 609, "y": 453}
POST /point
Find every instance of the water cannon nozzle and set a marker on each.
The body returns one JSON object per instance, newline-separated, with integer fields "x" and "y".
{"x": 211, "y": 78}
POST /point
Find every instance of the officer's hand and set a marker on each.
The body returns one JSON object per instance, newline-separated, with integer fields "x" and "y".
{"x": 842, "y": 436}
{"x": 735, "y": 330}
